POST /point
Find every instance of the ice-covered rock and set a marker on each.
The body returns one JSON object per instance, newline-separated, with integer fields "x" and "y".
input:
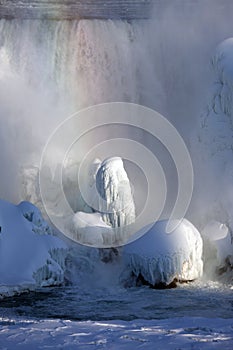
{"x": 161, "y": 259}
{"x": 29, "y": 254}
{"x": 114, "y": 188}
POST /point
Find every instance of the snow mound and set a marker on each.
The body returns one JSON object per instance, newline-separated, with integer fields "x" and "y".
{"x": 160, "y": 258}
{"x": 29, "y": 254}
{"x": 92, "y": 230}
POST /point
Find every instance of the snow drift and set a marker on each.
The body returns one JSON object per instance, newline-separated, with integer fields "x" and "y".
{"x": 160, "y": 259}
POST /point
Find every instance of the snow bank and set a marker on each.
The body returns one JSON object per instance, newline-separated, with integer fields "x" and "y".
{"x": 160, "y": 258}
{"x": 29, "y": 254}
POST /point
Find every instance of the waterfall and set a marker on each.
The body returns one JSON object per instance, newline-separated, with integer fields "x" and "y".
{"x": 82, "y": 62}
{"x": 49, "y": 69}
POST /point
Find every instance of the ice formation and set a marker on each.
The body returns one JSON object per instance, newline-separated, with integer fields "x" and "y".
{"x": 109, "y": 192}
{"x": 160, "y": 258}
{"x": 214, "y": 149}
{"x": 29, "y": 254}
{"x": 114, "y": 188}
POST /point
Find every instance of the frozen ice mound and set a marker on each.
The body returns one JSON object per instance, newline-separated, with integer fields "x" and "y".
{"x": 114, "y": 188}
{"x": 160, "y": 259}
{"x": 112, "y": 204}
{"x": 29, "y": 253}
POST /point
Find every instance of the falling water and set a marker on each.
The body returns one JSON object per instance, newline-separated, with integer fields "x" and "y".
{"x": 52, "y": 68}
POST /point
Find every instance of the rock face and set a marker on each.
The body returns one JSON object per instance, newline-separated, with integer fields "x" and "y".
{"x": 114, "y": 188}
{"x": 160, "y": 259}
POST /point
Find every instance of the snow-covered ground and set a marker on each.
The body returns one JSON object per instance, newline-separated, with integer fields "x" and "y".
{"x": 175, "y": 333}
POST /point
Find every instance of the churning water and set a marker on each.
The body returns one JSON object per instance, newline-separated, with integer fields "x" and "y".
{"x": 74, "y": 303}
